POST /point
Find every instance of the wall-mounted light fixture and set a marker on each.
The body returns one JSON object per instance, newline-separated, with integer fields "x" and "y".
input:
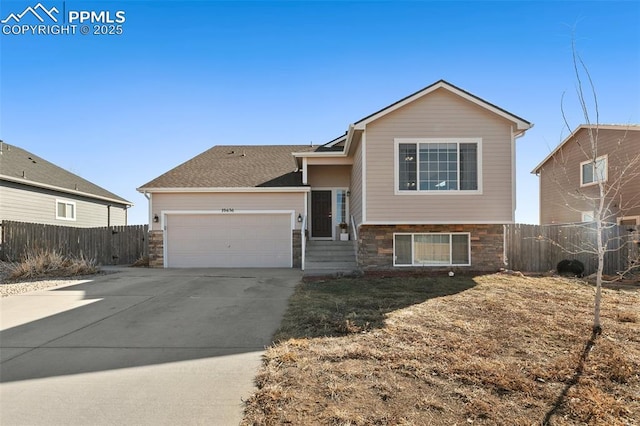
{"x": 156, "y": 219}
{"x": 348, "y": 193}
{"x": 299, "y": 218}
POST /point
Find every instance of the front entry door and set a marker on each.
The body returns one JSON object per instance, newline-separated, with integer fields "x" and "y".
{"x": 321, "y": 220}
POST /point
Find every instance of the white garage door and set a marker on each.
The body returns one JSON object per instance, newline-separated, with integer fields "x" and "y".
{"x": 228, "y": 240}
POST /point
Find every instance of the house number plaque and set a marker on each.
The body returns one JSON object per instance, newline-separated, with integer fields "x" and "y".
{"x": 227, "y": 210}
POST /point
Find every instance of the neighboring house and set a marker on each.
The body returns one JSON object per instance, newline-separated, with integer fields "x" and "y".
{"x": 569, "y": 176}
{"x": 425, "y": 182}
{"x": 35, "y": 190}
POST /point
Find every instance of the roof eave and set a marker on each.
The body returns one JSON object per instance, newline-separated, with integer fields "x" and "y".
{"x": 625, "y": 127}
{"x": 65, "y": 190}
{"x": 521, "y": 123}
{"x": 319, "y": 154}
{"x": 143, "y": 189}
{"x": 336, "y": 141}
{"x": 536, "y": 170}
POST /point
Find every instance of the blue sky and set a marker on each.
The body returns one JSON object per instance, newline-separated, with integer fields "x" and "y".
{"x": 119, "y": 110}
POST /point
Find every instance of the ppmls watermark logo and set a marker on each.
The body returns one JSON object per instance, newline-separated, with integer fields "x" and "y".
{"x": 42, "y": 20}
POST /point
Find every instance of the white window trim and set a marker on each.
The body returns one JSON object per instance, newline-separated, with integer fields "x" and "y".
{"x": 439, "y": 265}
{"x": 334, "y": 208}
{"x": 396, "y": 157}
{"x": 75, "y": 210}
{"x": 585, "y": 215}
{"x": 636, "y": 218}
{"x": 606, "y": 171}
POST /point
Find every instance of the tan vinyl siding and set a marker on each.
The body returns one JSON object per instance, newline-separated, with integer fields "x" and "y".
{"x": 31, "y": 205}
{"x": 355, "y": 201}
{"x": 560, "y": 177}
{"x": 217, "y": 201}
{"x": 329, "y": 176}
{"x": 441, "y": 114}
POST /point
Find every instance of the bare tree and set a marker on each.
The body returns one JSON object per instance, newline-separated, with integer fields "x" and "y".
{"x": 613, "y": 191}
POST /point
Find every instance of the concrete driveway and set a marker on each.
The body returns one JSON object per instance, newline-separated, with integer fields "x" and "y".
{"x": 139, "y": 347}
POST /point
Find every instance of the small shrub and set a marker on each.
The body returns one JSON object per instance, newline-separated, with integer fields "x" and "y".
{"x": 570, "y": 268}
{"x": 627, "y": 317}
{"x": 142, "y": 262}
{"x": 50, "y": 264}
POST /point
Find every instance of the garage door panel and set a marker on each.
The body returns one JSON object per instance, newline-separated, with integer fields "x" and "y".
{"x": 238, "y": 240}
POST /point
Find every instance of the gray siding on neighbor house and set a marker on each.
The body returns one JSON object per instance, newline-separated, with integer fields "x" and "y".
{"x": 560, "y": 176}
{"x": 36, "y": 205}
{"x": 440, "y": 114}
{"x": 208, "y": 201}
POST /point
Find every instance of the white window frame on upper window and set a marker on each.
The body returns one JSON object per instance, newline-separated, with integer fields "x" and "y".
{"x": 605, "y": 176}
{"x": 417, "y": 142}
{"x": 66, "y": 203}
{"x": 431, "y": 265}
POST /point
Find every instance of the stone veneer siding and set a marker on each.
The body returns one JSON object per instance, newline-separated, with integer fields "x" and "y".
{"x": 297, "y": 249}
{"x": 375, "y": 246}
{"x": 156, "y": 247}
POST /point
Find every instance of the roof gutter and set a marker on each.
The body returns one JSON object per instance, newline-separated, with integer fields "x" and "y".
{"x": 622, "y": 127}
{"x": 65, "y": 190}
{"x": 319, "y": 154}
{"x": 146, "y": 190}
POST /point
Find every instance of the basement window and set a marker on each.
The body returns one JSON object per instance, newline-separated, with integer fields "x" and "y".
{"x": 432, "y": 249}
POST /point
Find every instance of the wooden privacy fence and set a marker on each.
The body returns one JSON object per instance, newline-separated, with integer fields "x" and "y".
{"x": 539, "y": 248}
{"x": 114, "y": 245}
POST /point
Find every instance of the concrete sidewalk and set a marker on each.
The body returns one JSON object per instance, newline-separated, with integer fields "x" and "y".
{"x": 139, "y": 346}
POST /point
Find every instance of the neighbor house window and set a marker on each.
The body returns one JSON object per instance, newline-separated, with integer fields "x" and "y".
{"x": 433, "y": 249}
{"x": 435, "y": 165}
{"x": 65, "y": 210}
{"x": 629, "y": 220}
{"x": 587, "y": 216}
{"x": 593, "y": 171}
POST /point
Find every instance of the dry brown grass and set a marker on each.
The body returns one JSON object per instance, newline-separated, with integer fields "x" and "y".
{"x": 495, "y": 350}
{"x": 141, "y": 262}
{"x": 40, "y": 264}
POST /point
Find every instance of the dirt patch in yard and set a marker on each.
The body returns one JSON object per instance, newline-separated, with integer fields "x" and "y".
{"x": 494, "y": 349}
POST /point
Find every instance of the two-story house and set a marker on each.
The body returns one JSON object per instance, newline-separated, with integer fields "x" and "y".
{"x": 569, "y": 176}
{"x": 35, "y": 190}
{"x": 427, "y": 181}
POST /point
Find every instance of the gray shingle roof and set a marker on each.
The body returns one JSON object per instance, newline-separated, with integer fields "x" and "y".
{"x": 19, "y": 165}
{"x": 226, "y": 166}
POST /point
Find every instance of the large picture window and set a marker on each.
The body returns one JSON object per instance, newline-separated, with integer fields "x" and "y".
{"x": 593, "y": 171}
{"x": 433, "y": 249}
{"x": 430, "y": 165}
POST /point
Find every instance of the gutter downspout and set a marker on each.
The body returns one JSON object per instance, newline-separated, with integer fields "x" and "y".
{"x": 514, "y": 137}
{"x": 150, "y": 218}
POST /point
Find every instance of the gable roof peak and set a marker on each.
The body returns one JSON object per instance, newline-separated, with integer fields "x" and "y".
{"x": 522, "y": 124}
{"x": 596, "y": 126}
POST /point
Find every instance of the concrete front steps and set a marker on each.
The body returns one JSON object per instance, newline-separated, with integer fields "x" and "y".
{"x": 331, "y": 258}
